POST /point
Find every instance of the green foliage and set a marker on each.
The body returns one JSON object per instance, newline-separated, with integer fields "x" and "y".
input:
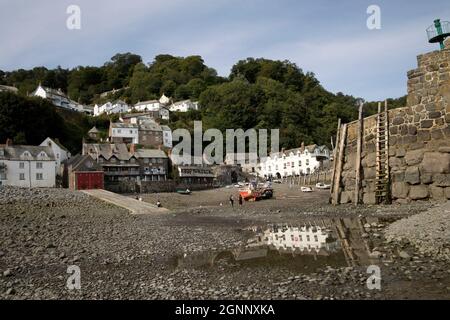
{"x": 259, "y": 93}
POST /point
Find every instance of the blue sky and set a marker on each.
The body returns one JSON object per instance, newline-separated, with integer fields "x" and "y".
{"x": 329, "y": 38}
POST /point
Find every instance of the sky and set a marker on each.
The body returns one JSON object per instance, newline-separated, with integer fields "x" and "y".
{"x": 329, "y": 38}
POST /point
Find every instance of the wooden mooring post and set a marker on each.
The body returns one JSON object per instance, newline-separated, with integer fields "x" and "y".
{"x": 339, "y": 165}
{"x": 335, "y": 159}
{"x": 358, "y": 155}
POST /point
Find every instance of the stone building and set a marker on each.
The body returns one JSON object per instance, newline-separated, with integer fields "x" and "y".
{"x": 419, "y": 139}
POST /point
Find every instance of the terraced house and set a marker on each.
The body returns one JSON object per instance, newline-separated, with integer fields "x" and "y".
{"x": 121, "y": 164}
{"x": 294, "y": 162}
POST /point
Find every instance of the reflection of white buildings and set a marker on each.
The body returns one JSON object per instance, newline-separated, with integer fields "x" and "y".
{"x": 294, "y": 162}
{"x": 308, "y": 239}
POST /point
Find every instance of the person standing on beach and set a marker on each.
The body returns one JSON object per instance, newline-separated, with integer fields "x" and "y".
{"x": 232, "y": 201}
{"x": 240, "y": 200}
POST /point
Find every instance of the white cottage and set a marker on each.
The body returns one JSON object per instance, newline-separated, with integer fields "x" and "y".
{"x": 111, "y": 107}
{"x": 60, "y": 152}
{"x": 27, "y": 166}
{"x": 167, "y": 136}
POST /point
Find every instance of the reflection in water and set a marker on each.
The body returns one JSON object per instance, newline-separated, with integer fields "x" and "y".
{"x": 303, "y": 247}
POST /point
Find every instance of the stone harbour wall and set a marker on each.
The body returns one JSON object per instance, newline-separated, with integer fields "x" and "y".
{"x": 419, "y": 142}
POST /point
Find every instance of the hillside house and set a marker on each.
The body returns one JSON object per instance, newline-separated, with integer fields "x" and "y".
{"x": 123, "y": 132}
{"x": 111, "y": 107}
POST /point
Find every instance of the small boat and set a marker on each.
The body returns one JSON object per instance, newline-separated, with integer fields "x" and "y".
{"x": 306, "y": 189}
{"x": 184, "y": 191}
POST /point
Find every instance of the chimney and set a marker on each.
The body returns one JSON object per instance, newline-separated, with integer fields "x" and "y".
{"x": 303, "y": 146}
{"x": 132, "y": 148}
{"x": 9, "y": 142}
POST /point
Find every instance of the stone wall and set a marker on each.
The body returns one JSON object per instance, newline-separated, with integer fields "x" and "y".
{"x": 152, "y": 186}
{"x": 419, "y": 143}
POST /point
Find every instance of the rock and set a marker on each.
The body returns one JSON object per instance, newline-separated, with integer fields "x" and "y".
{"x": 435, "y": 162}
{"x": 7, "y": 273}
{"x": 418, "y": 192}
{"x": 400, "y": 190}
{"x": 10, "y": 291}
{"x": 412, "y": 175}
{"x": 441, "y": 180}
{"x": 437, "y": 193}
{"x": 414, "y": 157}
{"x": 404, "y": 255}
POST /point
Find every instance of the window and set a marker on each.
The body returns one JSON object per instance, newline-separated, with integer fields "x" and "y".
{"x": 22, "y": 176}
{"x": 300, "y": 163}
{"x": 119, "y": 131}
{"x": 38, "y": 165}
{"x": 307, "y": 162}
{"x": 131, "y": 131}
{"x": 316, "y": 239}
{"x": 21, "y": 165}
{"x": 308, "y": 238}
{"x": 2, "y": 176}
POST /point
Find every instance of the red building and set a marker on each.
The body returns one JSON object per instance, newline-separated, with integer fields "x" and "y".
{"x": 83, "y": 173}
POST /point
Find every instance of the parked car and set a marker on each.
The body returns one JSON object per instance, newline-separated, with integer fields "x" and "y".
{"x": 323, "y": 186}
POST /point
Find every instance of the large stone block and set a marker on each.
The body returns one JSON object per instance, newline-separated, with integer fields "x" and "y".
{"x": 369, "y": 198}
{"x": 435, "y": 162}
{"x": 418, "y": 192}
{"x": 441, "y": 180}
{"x": 400, "y": 190}
{"x": 414, "y": 157}
{"x": 412, "y": 175}
{"x": 437, "y": 193}
{"x": 346, "y": 197}
{"x": 447, "y": 192}
{"x": 369, "y": 160}
{"x": 370, "y": 173}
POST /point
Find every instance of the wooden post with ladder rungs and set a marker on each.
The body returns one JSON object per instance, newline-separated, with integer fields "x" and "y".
{"x": 382, "y": 182}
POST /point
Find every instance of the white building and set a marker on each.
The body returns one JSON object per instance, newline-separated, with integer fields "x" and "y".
{"x": 60, "y": 99}
{"x": 151, "y": 105}
{"x": 165, "y": 100}
{"x": 27, "y": 166}
{"x": 59, "y": 151}
{"x": 4, "y": 88}
{"x": 167, "y": 137}
{"x": 120, "y": 132}
{"x": 111, "y": 107}
{"x": 154, "y": 106}
{"x": 183, "y": 106}
{"x": 294, "y": 162}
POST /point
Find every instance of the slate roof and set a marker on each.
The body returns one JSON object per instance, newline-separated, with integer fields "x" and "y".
{"x": 15, "y": 152}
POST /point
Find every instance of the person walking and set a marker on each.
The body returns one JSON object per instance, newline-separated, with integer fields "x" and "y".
{"x": 240, "y": 200}
{"x": 232, "y": 200}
